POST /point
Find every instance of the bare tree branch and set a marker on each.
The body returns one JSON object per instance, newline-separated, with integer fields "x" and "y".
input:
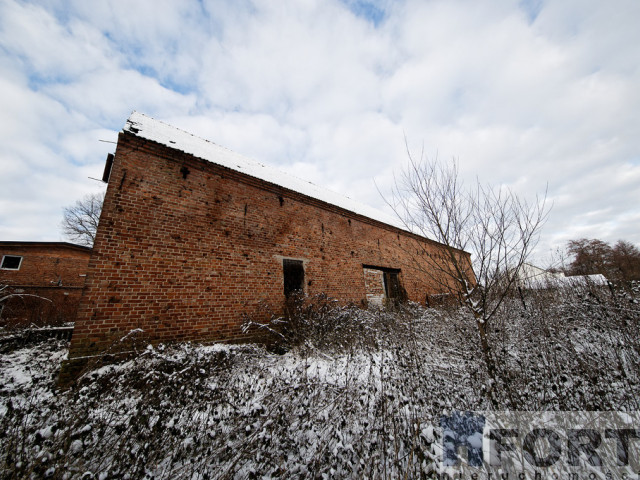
{"x": 493, "y": 224}
{"x": 7, "y": 295}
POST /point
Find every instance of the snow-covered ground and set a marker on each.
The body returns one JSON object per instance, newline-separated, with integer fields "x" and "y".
{"x": 368, "y": 408}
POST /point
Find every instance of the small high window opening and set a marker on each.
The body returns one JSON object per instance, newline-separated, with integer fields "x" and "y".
{"x": 107, "y": 168}
{"x": 293, "y": 276}
{"x": 11, "y": 262}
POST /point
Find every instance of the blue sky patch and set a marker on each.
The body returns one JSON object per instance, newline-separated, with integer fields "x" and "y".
{"x": 369, "y": 10}
{"x": 532, "y": 8}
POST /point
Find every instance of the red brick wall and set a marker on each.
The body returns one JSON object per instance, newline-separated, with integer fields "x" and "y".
{"x": 55, "y": 271}
{"x": 185, "y": 258}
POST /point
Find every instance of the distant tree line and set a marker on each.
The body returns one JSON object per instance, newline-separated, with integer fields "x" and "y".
{"x": 620, "y": 263}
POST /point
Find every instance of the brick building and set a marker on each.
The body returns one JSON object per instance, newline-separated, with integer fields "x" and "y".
{"x": 192, "y": 236}
{"x": 54, "y": 271}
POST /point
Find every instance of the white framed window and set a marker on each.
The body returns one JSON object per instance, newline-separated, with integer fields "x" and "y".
{"x": 11, "y": 262}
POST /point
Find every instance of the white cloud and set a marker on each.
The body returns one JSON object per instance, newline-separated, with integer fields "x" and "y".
{"x": 522, "y": 93}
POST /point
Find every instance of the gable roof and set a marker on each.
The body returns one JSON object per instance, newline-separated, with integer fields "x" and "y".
{"x": 149, "y": 128}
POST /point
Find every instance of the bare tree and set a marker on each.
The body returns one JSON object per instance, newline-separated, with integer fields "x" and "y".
{"x": 493, "y": 224}
{"x": 80, "y": 221}
{"x": 590, "y": 256}
{"x": 626, "y": 258}
{"x": 620, "y": 263}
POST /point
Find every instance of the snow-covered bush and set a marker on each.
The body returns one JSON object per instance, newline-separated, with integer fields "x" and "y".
{"x": 191, "y": 411}
{"x": 322, "y": 323}
{"x": 573, "y": 349}
{"x": 359, "y": 397}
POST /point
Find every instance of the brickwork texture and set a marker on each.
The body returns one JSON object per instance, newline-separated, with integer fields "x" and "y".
{"x": 185, "y": 247}
{"x": 51, "y": 276}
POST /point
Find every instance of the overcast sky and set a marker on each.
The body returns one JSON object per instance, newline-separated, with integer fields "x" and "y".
{"x": 523, "y": 93}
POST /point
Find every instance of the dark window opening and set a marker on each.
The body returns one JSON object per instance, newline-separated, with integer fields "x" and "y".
{"x": 293, "y": 276}
{"x": 11, "y": 262}
{"x": 107, "y": 168}
{"x": 383, "y": 286}
{"x": 392, "y": 287}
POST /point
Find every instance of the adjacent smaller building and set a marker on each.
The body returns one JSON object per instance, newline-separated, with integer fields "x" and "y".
{"x": 45, "y": 279}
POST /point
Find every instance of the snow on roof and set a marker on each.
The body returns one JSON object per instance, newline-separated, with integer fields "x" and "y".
{"x": 150, "y": 129}
{"x": 538, "y": 278}
{"x": 596, "y": 279}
